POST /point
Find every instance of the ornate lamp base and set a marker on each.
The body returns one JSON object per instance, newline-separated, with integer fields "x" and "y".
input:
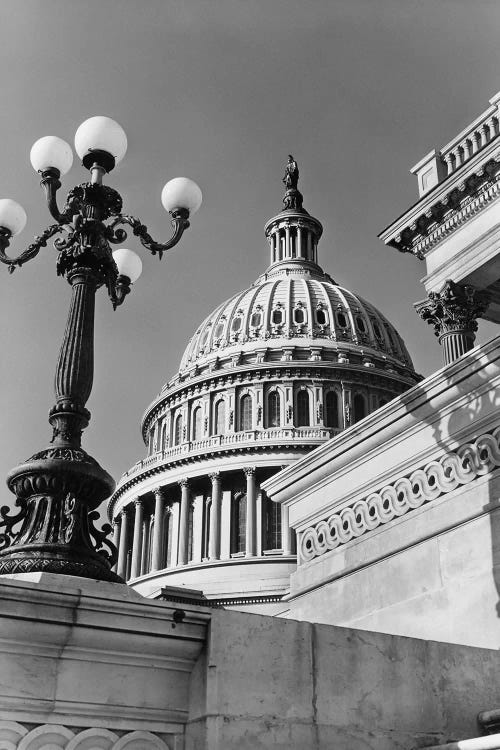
{"x": 58, "y": 491}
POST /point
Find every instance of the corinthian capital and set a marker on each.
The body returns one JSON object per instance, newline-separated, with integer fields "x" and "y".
{"x": 453, "y": 309}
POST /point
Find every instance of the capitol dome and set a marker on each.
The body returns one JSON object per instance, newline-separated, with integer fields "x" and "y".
{"x": 272, "y": 373}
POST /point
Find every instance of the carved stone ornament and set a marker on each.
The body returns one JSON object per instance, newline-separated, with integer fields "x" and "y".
{"x": 454, "y": 308}
{"x": 14, "y": 735}
{"x": 403, "y": 495}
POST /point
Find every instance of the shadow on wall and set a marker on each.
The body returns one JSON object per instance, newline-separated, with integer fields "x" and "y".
{"x": 476, "y": 458}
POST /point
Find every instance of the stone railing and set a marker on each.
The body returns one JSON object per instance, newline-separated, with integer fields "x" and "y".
{"x": 438, "y": 165}
{"x": 402, "y": 495}
{"x": 244, "y": 439}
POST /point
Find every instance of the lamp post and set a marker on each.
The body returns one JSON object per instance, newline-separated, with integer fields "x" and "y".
{"x": 59, "y": 489}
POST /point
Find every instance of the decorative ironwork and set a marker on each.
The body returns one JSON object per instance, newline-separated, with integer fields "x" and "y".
{"x": 59, "y": 488}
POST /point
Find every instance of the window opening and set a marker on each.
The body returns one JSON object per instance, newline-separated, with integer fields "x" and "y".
{"x": 342, "y": 320}
{"x": 277, "y": 317}
{"x": 303, "y": 409}
{"x": 331, "y": 409}
{"x": 197, "y": 423}
{"x": 359, "y": 407}
{"x": 246, "y": 412}
{"x": 299, "y": 315}
{"x": 273, "y": 409}
{"x": 178, "y": 429}
{"x": 220, "y": 417}
{"x": 321, "y": 317}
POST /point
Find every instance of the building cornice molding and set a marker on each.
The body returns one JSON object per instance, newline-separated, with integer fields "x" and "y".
{"x": 434, "y": 208}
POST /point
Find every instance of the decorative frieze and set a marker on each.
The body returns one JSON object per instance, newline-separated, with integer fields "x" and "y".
{"x": 15, "y": 736}
{"x": 403, "y": 495}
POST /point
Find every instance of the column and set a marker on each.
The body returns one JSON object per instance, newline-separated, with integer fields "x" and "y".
{"x": 116, "y": 538}
{"x": 309, "y": 251}
{"x": 214, "y": 537}
{"x": 288, "y": 249}
{"x": 453, "y": 311}
{"x": 225, "y": 526}
{"x": 299, "y": 241}
{"x": 174, "y": 520}
{"x": 286, "y": 534}
{"x": 160, "y": 503}
{"x": 124, "y": 538}
{"x": 251, "y": 535}
{"x": 184, "y": 523}
{"x": 145, "y": 545}
{"x": 137, "y": 541}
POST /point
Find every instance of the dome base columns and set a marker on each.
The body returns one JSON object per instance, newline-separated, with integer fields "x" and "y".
{"x": 251, "y": 526}
{"x": 137, "y": 541}
{"x": 183, "y": 548}
{"x": 124, "y": 543}
{"x": 453, "y": 311}
{"x": 215, "y": 518}
{"x": 158, "y": 529}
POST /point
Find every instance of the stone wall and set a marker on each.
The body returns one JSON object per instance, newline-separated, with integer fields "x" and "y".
{"x": 263, "y": 682}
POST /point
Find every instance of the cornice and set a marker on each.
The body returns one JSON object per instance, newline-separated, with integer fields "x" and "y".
{"x": 446, "y": 197}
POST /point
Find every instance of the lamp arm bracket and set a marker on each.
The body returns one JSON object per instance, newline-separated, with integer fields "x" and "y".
{"x": 180, "y": 222}
{"x": 31, "y": 251}
{"x": 51, "y": 184}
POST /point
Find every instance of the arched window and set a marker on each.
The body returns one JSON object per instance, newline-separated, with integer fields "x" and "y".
{"x": 359, "y": 407}
{"x": 246, "y": 412}
{"x": 331, "y": 409}
{"x": 220, "y": 418}
{"x": 273, "y": 524}
{"x": 196, "y": 423}
{"x": 303, "y": 418}
{"x": 238, "y": 522}
{"x": 164, "y": 436}
{"x": 273, "y": 409}
{"x": 178, "y": 429}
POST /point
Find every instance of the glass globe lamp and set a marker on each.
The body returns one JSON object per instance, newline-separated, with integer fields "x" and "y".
{"x": 128, "y": 263}
{"x": 101, "y": 134}
{"x": 51, "y": 152}
{"x": 181, "y": 192}
{"x": 12, "y": 216}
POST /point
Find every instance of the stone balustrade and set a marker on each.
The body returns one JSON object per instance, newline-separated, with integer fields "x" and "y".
{"x": 438, "y": 165}
{"x": 238, "y": 439}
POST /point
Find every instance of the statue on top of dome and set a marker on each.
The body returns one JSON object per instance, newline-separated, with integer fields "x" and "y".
{"x": 291, "y": 177}
{"x": 292, "y": 200}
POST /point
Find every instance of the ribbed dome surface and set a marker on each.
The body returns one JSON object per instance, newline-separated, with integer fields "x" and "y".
{"x": 294, "y": 304}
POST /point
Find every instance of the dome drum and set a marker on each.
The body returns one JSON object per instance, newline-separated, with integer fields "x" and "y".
{"x": 272, "y": 373}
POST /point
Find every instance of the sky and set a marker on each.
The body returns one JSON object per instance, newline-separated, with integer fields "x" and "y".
{"x": 221, "y": 91}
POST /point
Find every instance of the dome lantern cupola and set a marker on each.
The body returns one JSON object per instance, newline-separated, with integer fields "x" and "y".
{"x": 293, "y": 234}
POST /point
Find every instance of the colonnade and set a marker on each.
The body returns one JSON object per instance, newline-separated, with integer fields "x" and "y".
{"x": 142, "y": 550}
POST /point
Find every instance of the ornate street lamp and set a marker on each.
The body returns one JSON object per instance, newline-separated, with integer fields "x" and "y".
{"x": 59, "y": 489}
